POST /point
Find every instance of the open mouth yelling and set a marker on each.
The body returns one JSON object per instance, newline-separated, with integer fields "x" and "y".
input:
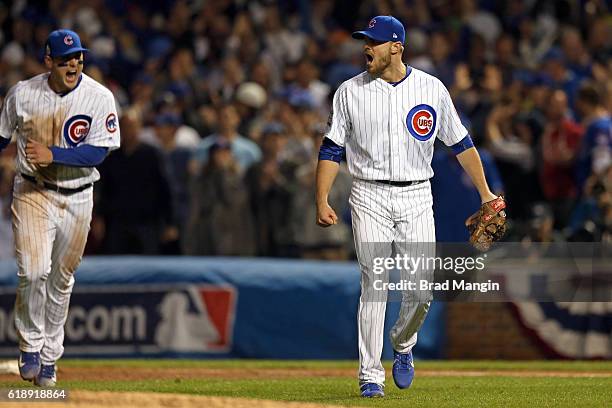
{"x": 369, "y": 58}
{"x": 71, "y": 76}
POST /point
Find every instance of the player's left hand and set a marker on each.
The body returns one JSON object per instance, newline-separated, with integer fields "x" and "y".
{"x": 37, "y": 153}
{"x": 487, "y": 225}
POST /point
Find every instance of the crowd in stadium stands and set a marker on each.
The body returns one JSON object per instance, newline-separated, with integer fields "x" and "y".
{"x": 224, "y": 103}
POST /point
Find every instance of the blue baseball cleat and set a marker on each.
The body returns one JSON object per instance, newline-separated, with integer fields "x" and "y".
{"x": 403, "y": 369}
{"x": 372, "y": 390}
{"x": 46, "y": 377}
{"x": 29, "y": 365}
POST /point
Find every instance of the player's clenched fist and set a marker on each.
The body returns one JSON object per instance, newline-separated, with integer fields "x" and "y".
{"x": 37, "y": 153}
{"x": 326, "y": 215}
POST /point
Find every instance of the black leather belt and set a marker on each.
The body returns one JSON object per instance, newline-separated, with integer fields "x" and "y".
{"x": 401, "y": 183}
{"x": 58, "y": 189}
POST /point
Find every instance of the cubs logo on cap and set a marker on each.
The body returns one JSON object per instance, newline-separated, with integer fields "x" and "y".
{"x": 76, "y": 129}
{"x": 63, "y": 42}
{"x": 383, "y": 28}
{"x": 421, "y": 122}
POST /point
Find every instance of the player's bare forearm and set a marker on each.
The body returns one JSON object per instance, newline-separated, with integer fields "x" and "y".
{"x": 470, "y": 161}
{"x": 327, "y": 171}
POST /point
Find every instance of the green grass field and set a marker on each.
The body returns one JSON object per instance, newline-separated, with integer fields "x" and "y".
{"x": 443, "y": 384}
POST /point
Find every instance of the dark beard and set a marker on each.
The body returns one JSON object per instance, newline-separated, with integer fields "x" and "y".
{"x": 382, "y": 65}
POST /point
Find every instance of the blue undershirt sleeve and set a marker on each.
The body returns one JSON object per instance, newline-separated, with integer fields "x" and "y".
{"x": 462, "y": 145}
{"x": 4, "y": 142}
{"x": 331, "y": 151}
{"x": 80, "y": 156}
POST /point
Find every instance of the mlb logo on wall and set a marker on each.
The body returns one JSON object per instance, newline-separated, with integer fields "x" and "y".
{"x": 421, "y": 122}
{"x": 198, "y": 319}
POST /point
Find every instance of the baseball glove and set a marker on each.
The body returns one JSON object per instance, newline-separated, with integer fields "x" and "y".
{"x": 488, "y": 224}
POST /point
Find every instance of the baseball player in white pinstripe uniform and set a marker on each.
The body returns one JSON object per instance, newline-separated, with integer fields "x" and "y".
{"x": 384, "y": 122}
{"x": 65, "y": 123}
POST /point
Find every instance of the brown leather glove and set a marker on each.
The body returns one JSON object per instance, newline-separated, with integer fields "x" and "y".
{"x": 488, "y": 224}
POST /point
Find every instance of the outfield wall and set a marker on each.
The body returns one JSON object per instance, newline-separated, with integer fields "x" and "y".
{"x": 214, "y": 307}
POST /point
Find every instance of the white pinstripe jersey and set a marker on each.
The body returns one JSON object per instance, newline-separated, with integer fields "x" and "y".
{"x": 389, "y": 131}
{"x": 85, "y": 115}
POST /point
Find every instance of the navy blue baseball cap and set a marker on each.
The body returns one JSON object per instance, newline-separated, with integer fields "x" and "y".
{"x": 220, "y": 144}
{"x": 273, "y": 128}
{"x": 63, "y": 42}
{"x": 383, "y": 28}
{"x": 168, "y": 119}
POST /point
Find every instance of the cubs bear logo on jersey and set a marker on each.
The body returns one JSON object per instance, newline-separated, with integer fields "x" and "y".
{"x": 421, "y": 122}
{"x": 111, "y": 123}
{"x": 76, "y": 129}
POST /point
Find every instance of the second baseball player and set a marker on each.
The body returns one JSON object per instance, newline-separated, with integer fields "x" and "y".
{"x": 384, "y": 122}
{"x": 65, "y": 123}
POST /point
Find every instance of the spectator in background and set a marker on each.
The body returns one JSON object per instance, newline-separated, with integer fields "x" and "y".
{"x": 315, "y": 242}
{"x": 297, "y": 113}
{"x": 170, "y": 104}
{"x": 480, "y": 21}
{"x": 535, "y": 92}
{"x": 141, "y": 92}
{"x": 540, "y": 227}
{"x": 418, "y": 55}
{"x": 506, "y": 58}
{"x": 271, "y": 190}
{"x": 134, "y": 202}
{"x": 261, "y": 74}
{"x": 592, "y": 217}
{"x": 555, "y": 68}
{"x": 220, "y": 212}
{"x": 577, "y": 58}
{"x": 176, "y": 162}
{"x": 284, "y": 43}
{"x": 535, "y": 39}
{"x": 347, "y": 63}
{"x": 595, "y": 152}
{"x": 600, "y": 40}
{"x": 307, "y": 79}
{"x": 244, "y": 151}
{"x": 225, "y": 79}
{"x": 204, "y": 119}
{"x": 251, "y": 98}
{"x": 559, "y": 146}
{"x": 509, "y": 141}
{"x": 537, "y": 235}
{"x": 440, "y": 51}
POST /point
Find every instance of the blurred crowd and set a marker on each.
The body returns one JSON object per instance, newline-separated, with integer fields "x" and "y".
{"x": 223, "y": 105}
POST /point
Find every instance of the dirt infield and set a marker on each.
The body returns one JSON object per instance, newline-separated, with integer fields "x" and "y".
{"x": 104, "y": 399}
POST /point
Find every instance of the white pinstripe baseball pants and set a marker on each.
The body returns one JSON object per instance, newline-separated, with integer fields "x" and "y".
{"x": 50, "y": 234}
{"x": 384, "y": 217}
